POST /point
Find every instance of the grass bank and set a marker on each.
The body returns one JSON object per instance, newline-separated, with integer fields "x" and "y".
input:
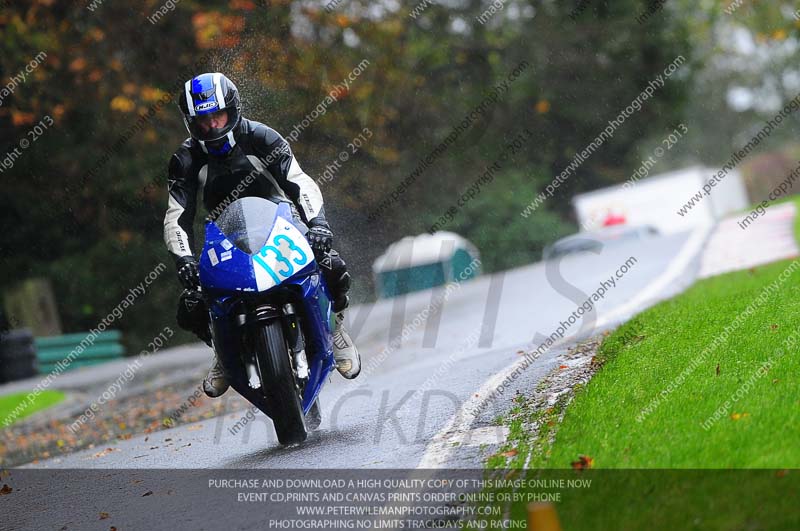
{"x": 707, "y": 380}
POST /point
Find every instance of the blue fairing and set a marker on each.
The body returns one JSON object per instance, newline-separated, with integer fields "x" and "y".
{"x": 235, "y": 274}
{"x": 319, "y": 330}
{"x": 228, "y": 273}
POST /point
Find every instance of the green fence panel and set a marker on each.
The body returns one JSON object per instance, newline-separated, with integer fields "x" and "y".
{"x": 101, "y": 348}
{"x": 102, "y": 352}
{"x": 73, "y": 340}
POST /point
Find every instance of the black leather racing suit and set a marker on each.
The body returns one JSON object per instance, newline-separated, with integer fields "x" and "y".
{"x": 261, "y": 164}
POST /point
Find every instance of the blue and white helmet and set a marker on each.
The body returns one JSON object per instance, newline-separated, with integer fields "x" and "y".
{"x": 206, "y": 94}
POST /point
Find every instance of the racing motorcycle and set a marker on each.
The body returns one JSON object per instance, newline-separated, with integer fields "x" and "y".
{"x": 271, "y": 317}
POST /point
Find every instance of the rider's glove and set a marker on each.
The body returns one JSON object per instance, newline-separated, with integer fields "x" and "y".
{"x": 193, "y": 315}
{"x": 320, "y": 238}
{"x": 187, "y": 272}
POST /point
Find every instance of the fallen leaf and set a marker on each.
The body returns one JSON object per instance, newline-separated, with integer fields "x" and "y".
{"x": 195, "y": 427}
{"x": 105, "y": 452}
{"x": 5, "y": 490}
{"x": 563, "y": 366}
{"x": 148, "y": 493}
{"x": 583, "y": 462}
{"x": 717, "y": 369}
{"x": 773, "y": 327}
{"x": 103, "y": 516}
{"x": 781, "y": 473}
{"x": 510, "y": 453}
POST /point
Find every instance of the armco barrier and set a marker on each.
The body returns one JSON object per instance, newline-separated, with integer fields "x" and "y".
{"x": 105, "y": 347}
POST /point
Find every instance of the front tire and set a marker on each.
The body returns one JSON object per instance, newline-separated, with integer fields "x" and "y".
{"x": 279, "y": 385}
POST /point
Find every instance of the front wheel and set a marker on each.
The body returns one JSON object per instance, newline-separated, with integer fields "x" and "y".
{"x": 279, "y": 385}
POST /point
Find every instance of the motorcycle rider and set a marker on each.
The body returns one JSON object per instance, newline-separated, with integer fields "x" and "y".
{"x": 228, "y": 152}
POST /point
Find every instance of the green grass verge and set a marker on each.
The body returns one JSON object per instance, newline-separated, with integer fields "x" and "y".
{"x": 9, "y": 403}
{"x": 689, "y": 395}
{"x": 682, "y": 393}
{"x": 676, "y": 391}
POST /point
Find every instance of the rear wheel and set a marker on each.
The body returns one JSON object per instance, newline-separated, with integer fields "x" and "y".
{"x": 279, "y": 385}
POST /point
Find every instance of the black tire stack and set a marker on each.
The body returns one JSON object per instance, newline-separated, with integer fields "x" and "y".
{"x": 17, "y": 355}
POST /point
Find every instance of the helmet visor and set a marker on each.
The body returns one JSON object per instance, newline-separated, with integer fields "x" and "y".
{"x": 212, "y": 125}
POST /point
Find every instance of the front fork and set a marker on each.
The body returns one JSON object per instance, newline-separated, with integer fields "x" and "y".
{"x": 296, "y": 342}
{"x": 292, "y": 333}
{"x": 246, "y": 319}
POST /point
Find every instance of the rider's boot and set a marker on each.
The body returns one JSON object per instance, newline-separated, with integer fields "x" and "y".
{"x": 215, "y": 383}
{"x": 345, "y": 353}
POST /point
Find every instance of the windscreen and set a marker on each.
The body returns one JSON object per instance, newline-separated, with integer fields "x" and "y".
{"x": 247, "y": 223}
